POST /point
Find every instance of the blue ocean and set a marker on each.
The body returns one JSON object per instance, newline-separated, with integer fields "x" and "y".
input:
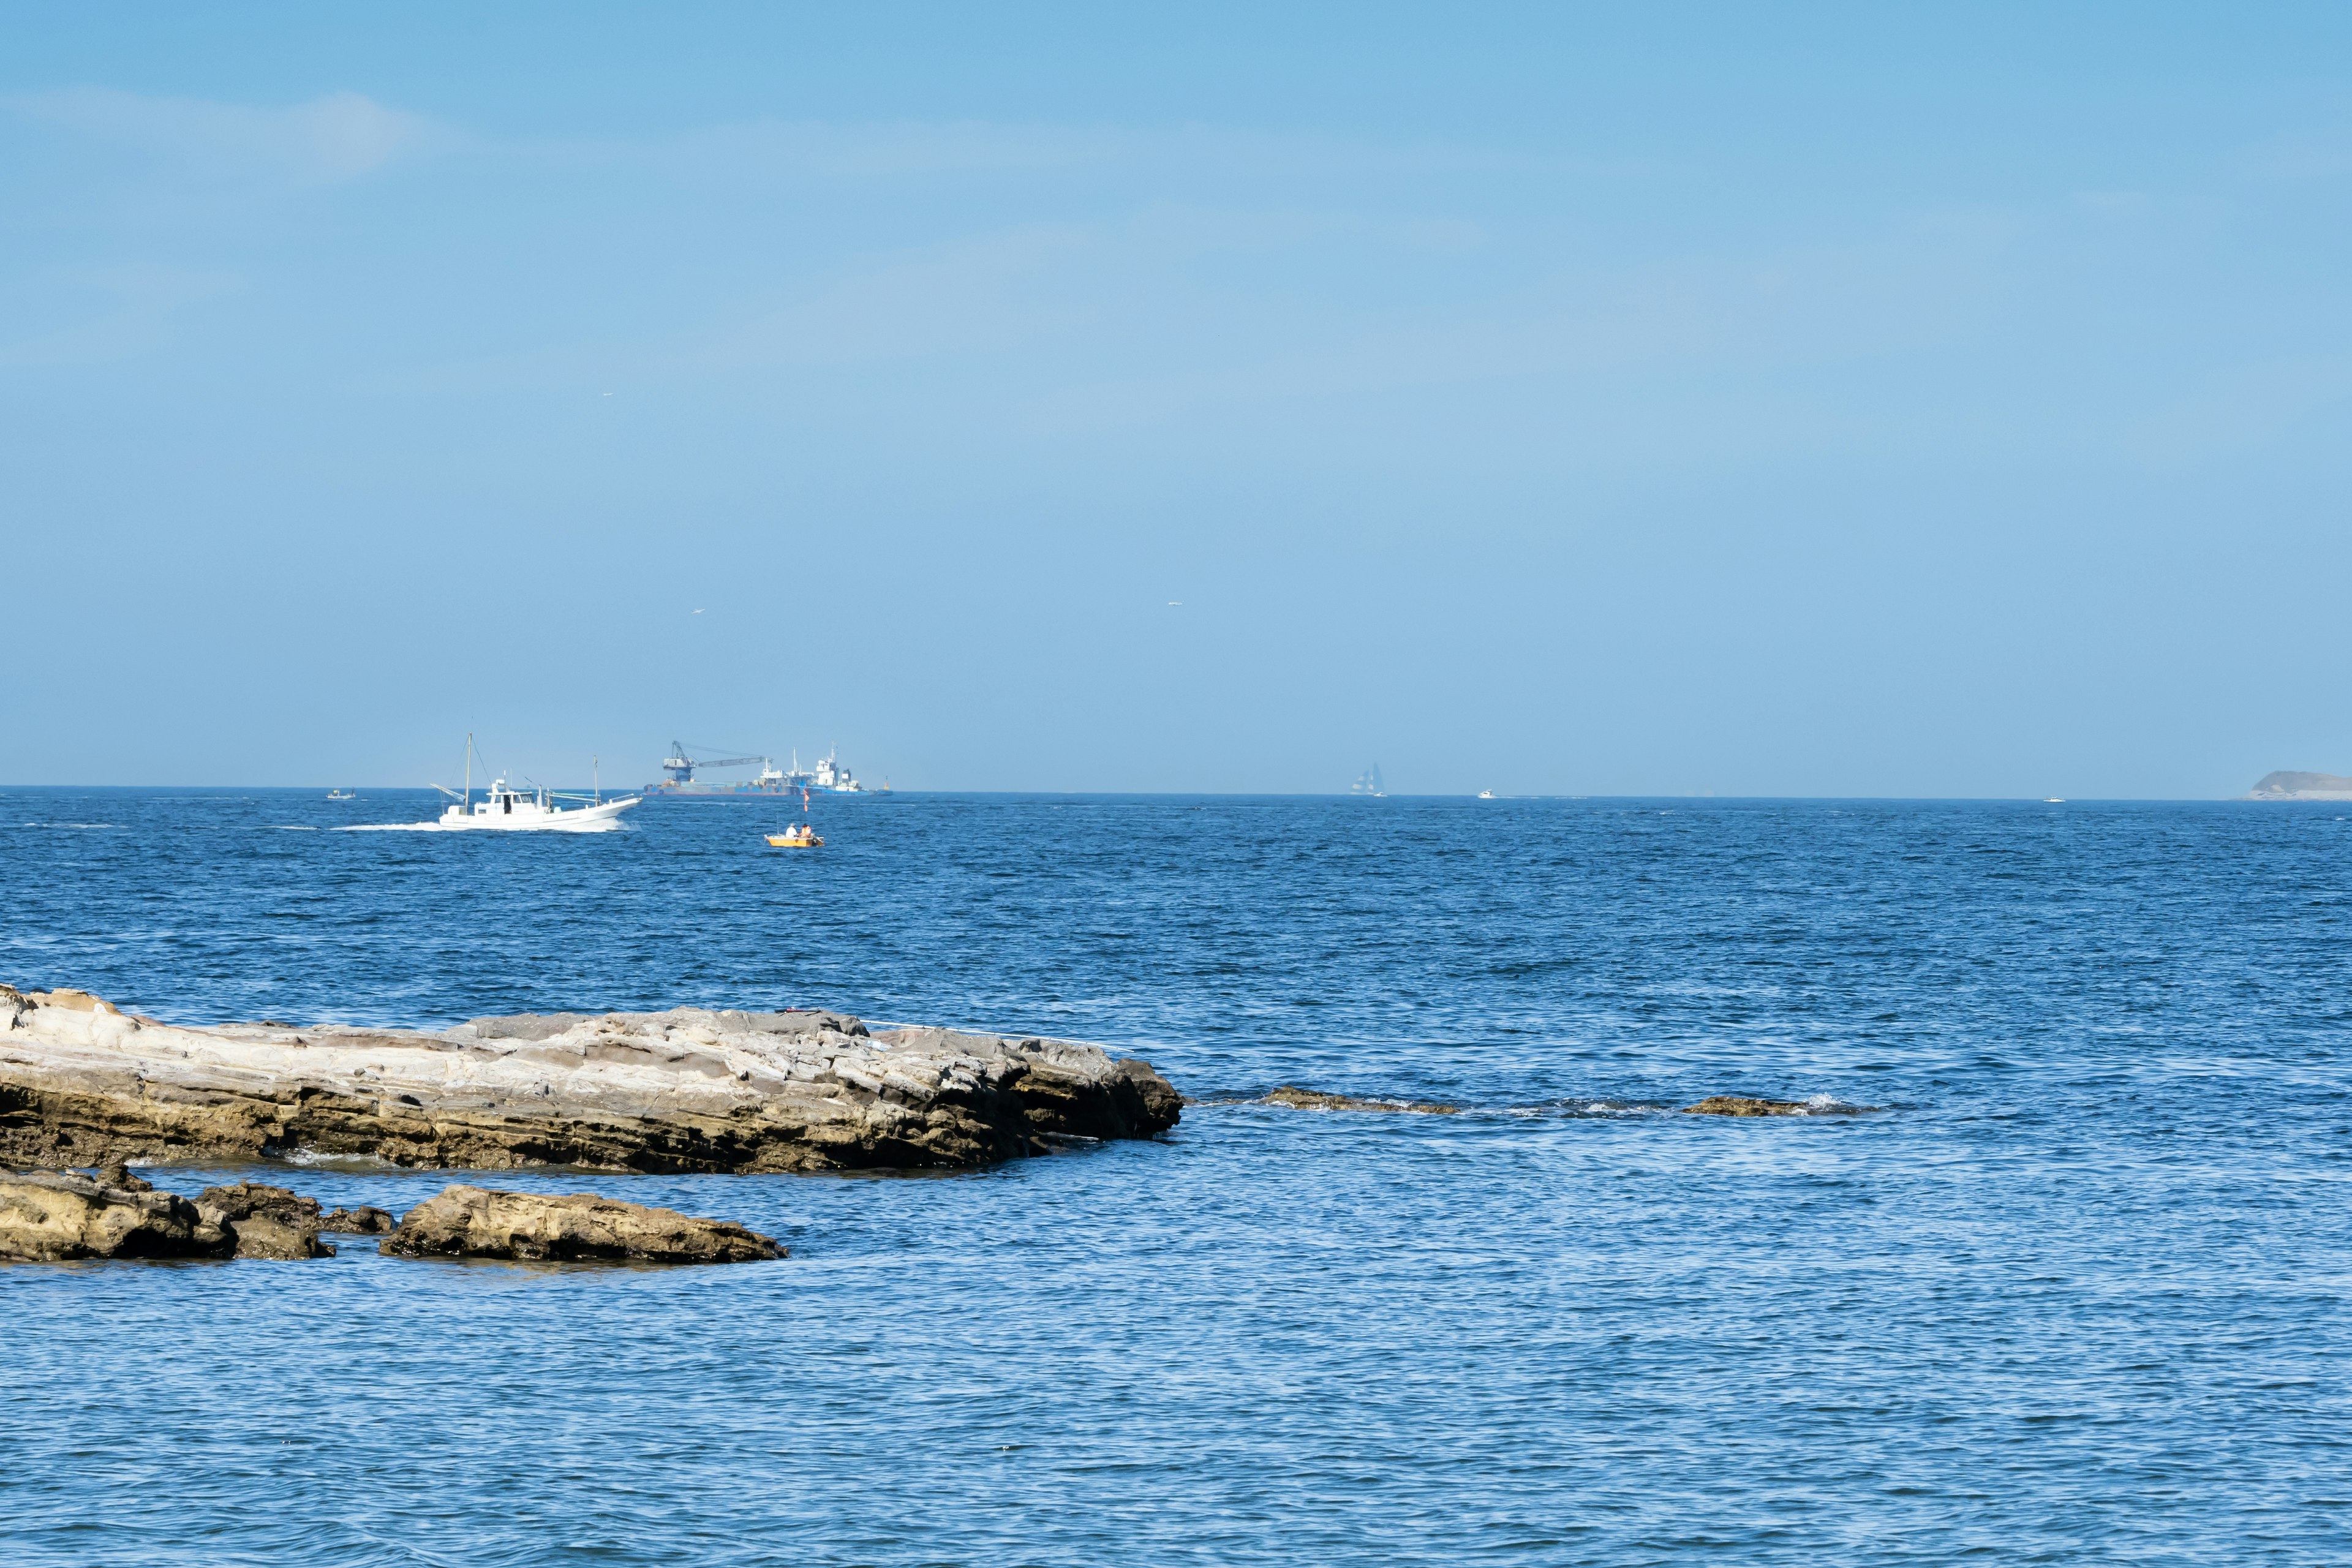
{"x": 2075, "y": 1290}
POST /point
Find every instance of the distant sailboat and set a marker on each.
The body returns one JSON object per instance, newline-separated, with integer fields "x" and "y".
{"x": 1369, "y": 782}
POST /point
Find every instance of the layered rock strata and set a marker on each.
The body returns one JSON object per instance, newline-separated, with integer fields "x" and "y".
{"x": 686, "y": 1090}
{"x": 533, "y": 1228}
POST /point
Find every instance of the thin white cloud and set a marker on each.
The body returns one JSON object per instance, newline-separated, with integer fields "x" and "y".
{"x": 98, "y": 314}
{"x": 327, "y": 140}
{"x": 916, "y": 149}
{"x": 967, "y": 297}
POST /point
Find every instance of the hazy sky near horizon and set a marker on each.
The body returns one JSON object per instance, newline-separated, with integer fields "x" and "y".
{"x": 1796, "y": 400}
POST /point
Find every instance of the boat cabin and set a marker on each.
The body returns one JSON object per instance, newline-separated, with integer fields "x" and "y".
{"x": 506, "y": 800}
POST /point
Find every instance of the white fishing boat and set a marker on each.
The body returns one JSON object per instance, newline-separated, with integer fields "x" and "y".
{"x": 506, "y": 809}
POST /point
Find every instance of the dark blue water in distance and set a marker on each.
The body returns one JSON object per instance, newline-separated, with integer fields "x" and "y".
{"x": 2078, "y": 1295}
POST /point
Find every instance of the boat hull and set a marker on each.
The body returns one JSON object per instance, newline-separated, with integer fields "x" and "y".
{"x": 603, "y": 818}
{"x": 578, "y": 819}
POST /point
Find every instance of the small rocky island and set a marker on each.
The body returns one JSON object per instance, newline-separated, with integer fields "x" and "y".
{"x": 84, "y": 1084}
{"x": 2301, "y": 786}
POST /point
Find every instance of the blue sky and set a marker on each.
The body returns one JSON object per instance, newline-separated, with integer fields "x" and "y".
{"x": 1800, "y": 400}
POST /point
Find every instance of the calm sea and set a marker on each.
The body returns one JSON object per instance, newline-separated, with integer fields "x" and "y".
{"x": 2076, "y": 1294}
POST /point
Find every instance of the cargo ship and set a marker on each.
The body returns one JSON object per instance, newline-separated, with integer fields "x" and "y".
{"x": 828, "y": 777}
{"x": 680, "y": 765}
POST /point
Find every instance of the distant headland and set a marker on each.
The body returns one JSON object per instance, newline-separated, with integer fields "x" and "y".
{"x": 2303, "y": 786}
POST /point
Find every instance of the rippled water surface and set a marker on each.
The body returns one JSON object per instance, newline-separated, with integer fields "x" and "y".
{"x": 2076, "y": 1294}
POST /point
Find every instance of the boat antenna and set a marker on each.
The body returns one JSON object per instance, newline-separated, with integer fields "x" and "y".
{"x": 597, "y": 770}
{"x": 470, "y": 772}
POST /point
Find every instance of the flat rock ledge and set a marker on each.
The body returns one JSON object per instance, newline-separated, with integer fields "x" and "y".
{"x": 576, "y": 1228}
{"x": 83, "y": 1083}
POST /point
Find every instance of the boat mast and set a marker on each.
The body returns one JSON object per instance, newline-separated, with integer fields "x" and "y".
{"x": 470, "y": 772}
{"x": 596, "y": 771}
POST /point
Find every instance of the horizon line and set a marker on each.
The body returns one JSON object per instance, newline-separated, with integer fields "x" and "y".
{"x": 1319, "y": 794}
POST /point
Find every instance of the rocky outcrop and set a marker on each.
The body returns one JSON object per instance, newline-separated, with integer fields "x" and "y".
{"x": 1312, "y": 1099}
{"x": 477, "y": 1222}
{"x": 1739, "y": 1105}
{"x": 55, "y": 1217}
{"x": 360, "y": 1221}
{"x": 689, "y": 1090}
{"x": 267, "y": 1222}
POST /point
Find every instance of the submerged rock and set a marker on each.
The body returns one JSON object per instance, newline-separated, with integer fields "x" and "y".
{"x": 360, "y": 1221}
{"x": 267, "y": 1222}
{"x": 689, "y": 1090}
{"x": 1739, "y": 1105}
{"x": 478, "y": 1221}
{"x": 1314, "y": 1100}
{"x": 53, "y": 1217}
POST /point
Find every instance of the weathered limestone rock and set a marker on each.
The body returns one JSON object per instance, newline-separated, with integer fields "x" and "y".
{"x": 360, "y": 1221}
{"x": 476, "y": 1222}
{"x": 267, "y": 1222}
{"x": 1314, "y": 1100}
{"x": 689, "y": 1089}
{"x": 55, "y": 1216}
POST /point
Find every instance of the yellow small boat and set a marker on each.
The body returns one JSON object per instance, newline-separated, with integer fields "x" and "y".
{"x": 799, "y": 839}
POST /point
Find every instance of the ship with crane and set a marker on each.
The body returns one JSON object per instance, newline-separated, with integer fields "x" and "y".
{"x": 827, "y": 777}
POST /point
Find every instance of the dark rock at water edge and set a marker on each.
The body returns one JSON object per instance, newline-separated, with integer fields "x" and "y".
{"x": 268, "y": 1222}
{"x": 360, "y": 1221}
{"x": 534, "y": 1227}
